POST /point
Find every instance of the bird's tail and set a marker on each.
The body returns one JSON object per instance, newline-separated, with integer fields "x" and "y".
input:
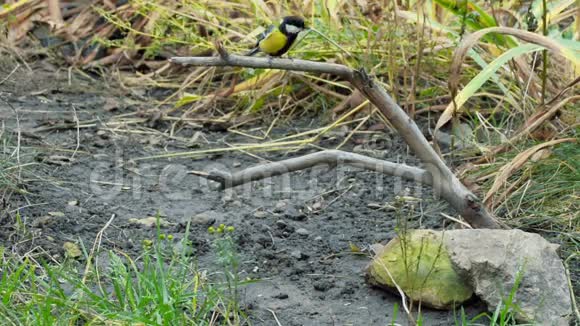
{"x": 252, "y": 51}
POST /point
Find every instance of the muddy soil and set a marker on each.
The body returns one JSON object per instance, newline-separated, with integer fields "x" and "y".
{"x": 293, "y": 232}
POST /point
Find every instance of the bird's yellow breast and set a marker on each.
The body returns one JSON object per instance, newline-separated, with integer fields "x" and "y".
{"x": 274, "y": 42}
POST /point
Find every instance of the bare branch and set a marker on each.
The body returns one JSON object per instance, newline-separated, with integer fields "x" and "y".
{"x": 232, "y": 60}
{"x": 330, "y": 157}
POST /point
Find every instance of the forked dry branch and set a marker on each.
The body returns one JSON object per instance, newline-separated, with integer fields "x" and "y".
{"x": 442, "y": 179}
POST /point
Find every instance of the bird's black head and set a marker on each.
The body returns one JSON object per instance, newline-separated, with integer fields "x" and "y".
{"x": 292, "y": 25}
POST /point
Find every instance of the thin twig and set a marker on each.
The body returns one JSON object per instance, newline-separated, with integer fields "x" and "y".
{"x": 275, "y": 317}
{"x": 572, "y": 296}
{"x": 95, "y": 248}
{"x": 10, "y": 74}
{"x": 76, "y": 120}
{"x": 19, "y": 136}
{"x": 399, "y": 289}
{"x": 456, "y": 220}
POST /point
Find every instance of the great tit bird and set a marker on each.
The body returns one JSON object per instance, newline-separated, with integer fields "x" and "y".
{"x": 277, "y": 40}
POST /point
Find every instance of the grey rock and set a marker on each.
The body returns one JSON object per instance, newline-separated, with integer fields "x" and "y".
{"x": 463, "y": 132}
{"x": 260, "y": 214}
{"x": 302, "y": 232}
{"x": 280, "y": 206}
{"x": 461, "y": 138}
{"x": 281, "y": 296}
{"x": 484, "y": 135}
{"x": 443, "y": 139}
{"x": 229, "y": 196}
{"x": 323, "y": 285}
{"x": 358, "y": 149}
{"x": 298, "y": 255}
{"x": 206, "y": 218}
{"x": 282, "y": 225}
{"x": 102, "y": 134}
{"x": 490, "y": 261}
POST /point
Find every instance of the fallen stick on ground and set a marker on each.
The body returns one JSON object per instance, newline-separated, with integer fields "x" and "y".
{"x": 330, "y": 157}
{"x": 444, "y": 182}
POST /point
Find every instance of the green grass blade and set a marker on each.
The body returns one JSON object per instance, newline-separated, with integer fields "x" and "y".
{"x": 489, "y": 71}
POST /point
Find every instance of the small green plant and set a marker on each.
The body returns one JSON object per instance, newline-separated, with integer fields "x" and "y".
{"x": 227, "y": 258}
{"x": 505, "y": 312}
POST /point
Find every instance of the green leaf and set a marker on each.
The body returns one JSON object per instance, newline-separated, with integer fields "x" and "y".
{"x": 489, "y": 72}
{"x": 187, "y": 98}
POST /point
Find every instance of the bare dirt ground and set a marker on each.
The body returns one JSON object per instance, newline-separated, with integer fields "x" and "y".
{"x": 293, "y": 232}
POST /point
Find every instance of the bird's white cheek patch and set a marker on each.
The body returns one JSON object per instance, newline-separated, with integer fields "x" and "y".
{"x": 293, "y": 29}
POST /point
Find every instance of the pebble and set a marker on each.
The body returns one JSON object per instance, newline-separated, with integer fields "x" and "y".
{"x": 264, "y": 228}
{"x": 303, "y": 232}
{"x": 282, "y": 225}
{"x": 298, "y": 255}
{"x": 206, "y": 218}
{"x": 260, "y": 214}
{"x": 294, "y": 214}
{"x": 281, "y": 296}
{"x": 228, "y": 197}
{"x": 323, "y": 285}
{"x": 358, "y": 149}
{"x": 103, "y": 134}
{"x": 280, "y": 206}
{"x": 317, "y": 206}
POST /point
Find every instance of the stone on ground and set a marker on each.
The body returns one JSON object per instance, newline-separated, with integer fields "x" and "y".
{"x": 419, "y": 264}
{"x": 486, "y": 262}
{"x": 490, "y": 261}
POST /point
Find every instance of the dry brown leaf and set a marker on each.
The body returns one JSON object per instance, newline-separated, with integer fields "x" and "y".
{"x": 517, "y": 162}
